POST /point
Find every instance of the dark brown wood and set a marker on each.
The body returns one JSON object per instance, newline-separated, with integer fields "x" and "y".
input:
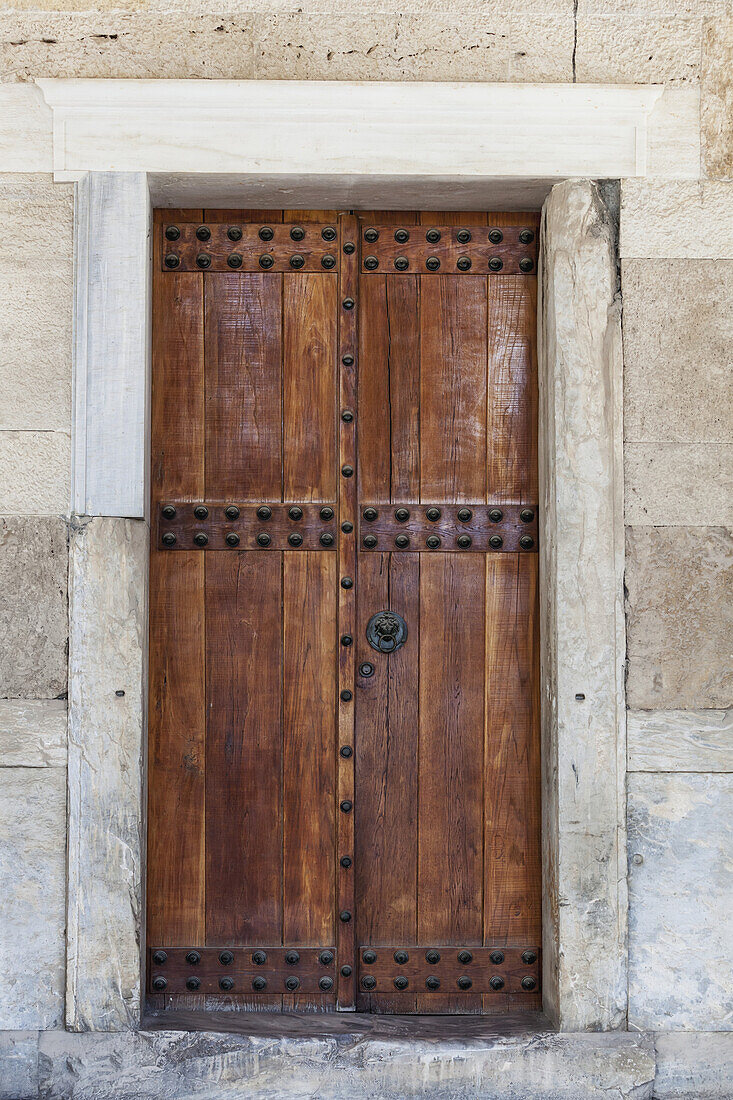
{"x": 418, "y": 255}
{"x": 310, "y": 965}
{"x": 485, "y": 963}
{"x": 317, "y": 531}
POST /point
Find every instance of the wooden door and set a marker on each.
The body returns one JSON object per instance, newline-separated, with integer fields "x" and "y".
{"x": 343, "y": 729}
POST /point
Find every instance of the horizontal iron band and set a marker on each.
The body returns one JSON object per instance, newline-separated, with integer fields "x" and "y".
{"x": 242, "y": 971}
{"x": 227, "y": 525}
{"x": 425, "y": 528}
{"x": 466, "y": 969}
{"x": 447, "y": 250}
{"x": 218, "y": 252}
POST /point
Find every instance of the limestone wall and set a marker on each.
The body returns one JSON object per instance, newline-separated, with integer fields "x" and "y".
{"x": 676, "y": 266}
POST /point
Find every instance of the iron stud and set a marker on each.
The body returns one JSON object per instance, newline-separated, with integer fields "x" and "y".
{"x": 528, "y": 982}
{"x": 368, "y": 982}
{"x": 172, "y": 232}
{"x": 526, "y": 236}
{"x": 347, "y": 416}
{"x": 297, "y": 233}
{"x": 464, "y": 541}
{"x": 292, "y": 958}
{"x": 529, "y": 957}
{"x": 402, "y": 263}
{"x": 201, "y": 538}
{"x": 433, "y": 542}
{"x": 371, "y": 235}
{"x": 496, "y": 982}
{"x": 432, "y": 263}
{"x": 203, "y": 233}
{"x": 496, "y": 236}
{"x": 266, "y": 261}
{"x": 193, "y": 958}
{"x": 402, "y": 515}
{"x": 432, "y": 236}
{"x": 266, "y": 234}
{"x": 258, "y": 984}
{"x": 326, "y": 513}
{"x": 346, "y": 971}
{"x": 297, "y": 261}
{"x": 401, "y": 235}
{"x": 464, "y": 514}
{"x": 464, "y": 982}
{"x": 326, "y": 539}
{"x": 328, "y": 262}
{"x": 347, "y": 471}
{"x": 193, "y": 984}
{"x": 345, "y": 916}
{"x": 463, "y": 236}
{"x": 366, "y": 669}
{"x": 347, "y": 582}
{"x": 346, "y": 750}
{"x": 348, "y": 360}
{"x": 345, "y": 862}
{"x": 347, "y": 527}
{"x": 463, "y": 263}
{"x": 295, "y": 512}
{"x": 234, "y": 233}
{"x": 328, "y": 233}
{"x": 496, "y": 515}
{"x": 295, "y": 539}
{"x": 259, "y": 958}
{"x": 432, "y": 956}
{"x": 432, "y": 982}
{"x": 370, "y": 514}
{"x": 465, "y": 957}
{"x": 232, "y": 538}
{"x": 525, "y": 264}
{"x": 168, "y": 511}
{"x": 526, "y": 542}
{"x": 203, "y": 260}
{"x": 201, "y": 511}
{"x": 160, "y": 983}
{"x": 433, "y": 514}
{"x": 226, "y": 958}
{"x": 168, "y": 539}
{"x": 401, "y": 982}
{"x": 371, "y": 263}
{"x": 349, "y": 248}
{"x": 325, "y": 984}
{"x": 263, "y": 512}
{"x": 402, "y": 541}
{"x": 225, "y": 984}
{"x": 234, "y": 260}
{"x": 346, "y": 806}
{"x": 263, "y": 539}
{"x": 346, "y": 639}
{"x": 172, "y": 260}
{"x": 349, "y": 303}
{"x": 495, "y": 264}
{"x": 496, "y": 541}
{"x": 231, "y": 511}
{"x": 292, "y": 983}
{"x": 401, "y": 957}
{"x": 369, "y": 957}
{"x": 497, "y": 957}
{"x": 160, "y": 957}
{"x": 526, "y": 515}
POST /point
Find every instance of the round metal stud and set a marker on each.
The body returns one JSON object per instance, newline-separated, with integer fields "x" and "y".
{"x": 160, "y": 983}
{"x": 346, "y": 971}
{"x": 529, "y": 957}
{"x": 266, "y": 234}
{"x": 168, "y": 511}
{"x": 295, "y": 512}
{"x": 347, "y": 527}
{"x": 345, "y": 916}
{"x": 231, "y": 511}
{"x": 496, "y": 541}
{"x": 263, "y": 512}
{"x": 432, "y": 956}
{"x": 526, "y": 515}
{"x": 263, "y": 539}
{"x": 465, "y": 957}
{"x": 203, "y": 260}
{"x": 346, "y": 697}
{"x": 346, "y": 639}
{"x": 234, "y": 233}
{"x": 348, "y": 360}
{"x": 347, "y": 582}
{"x": 226, "y": 958}
{"x": 201, "y": 538}
{"x": 328, "y": 262}
{"x": 401, "y": 235}
{"x": 349, "y": 303}
{"x": 433, "y": 514}
{"x": 432, "y": 263}
{"x": 370, "y": 541}
{"x": 259, "y": 958}
{"x": 258, "y": 984}
{"x": 328, "y": 233}
{"x": 160, "y": 957}
{"x": 525, "y": 264}
{"x": 496, "y": 982}
{"x": 326, "y": 539}
{"x": 402, "y": 515}
{"x": 495, "y": 264}
{"x": 232, "y": 538}
{"x": 172, "y": 233}
{"x": 347, "y": 416}
{"x": 526, "y": 236}
{"x": 345, "y": 862}
{"x": 401, "y": 957}
{"x": 201, "y": 511}
{"x": 464, "y": 982}
{"x": 432, "y": 236}
{"x": 432, "y": 982}
{"x": 172, "y": 260}
{"x": 401, "y": 263}
{"x": 234, "y": 260}
{"x": 349, "y": 248}
{"x": 292, "y": 983}
{"x": 402, "y": 542}
{"x": 203, "y": 233}
{"x": 266, "y": 261}
{"x": 370, "y": 514}
{"x": 225, "y": 984}
{"x": 496, "y": 236}
{"x": 366, "y": 669}
{"x": 465, "y": 514}
{"x": 463, "y": 263}
{"x": 526, "y": 542}
{"x": 463, "y": 236}
{"x": 371, "y": 263}
{"x": 401, "y": 982}
{"x": 326, "y": 513}
{"x": 433, "y": 542}
{"x": 368, "y": 982}
{"x": 168, "y": 539}
{"x": 297, "y": 261}
{"x": 193, "y": 958}
{"x": 497, "y": 957}
{"x": 297, "y": 233}
{"x": 464, "y": 541}
{"x": 292, "y": 958}
{"x": 369, "y": 957}
{"x": 528, "y": 982}
{"x": 371, "y": 235}
{"x": 347, "y": 471}
{"x": 193, "y": 984}
{"x": 346, "y": 806}
{"x": 295, "y": 539}
{"x": 496, "y": 515}
{"x": 346, "y": 750}
{"x": 325, "y": 984}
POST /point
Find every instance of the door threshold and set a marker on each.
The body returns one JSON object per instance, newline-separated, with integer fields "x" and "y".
{"x": 368, "y": 1025}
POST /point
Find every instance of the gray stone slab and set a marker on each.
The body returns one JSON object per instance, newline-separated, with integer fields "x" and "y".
{"x": 678, "y": 334}
{"x": 33, "y": 612}
{"x": 679, "y": 617}
{"x": 680, "y": 740}
{"x": 168, "y": 1065}
{"x": 108, "y": 587}
{"x": 32, "y": 900}
{"x": 694, "y": 1065}
{"x": 680, "y": 832}
{"x": 676, "y": 219}
{"x": 18, "y": 1065}
{"x": 32, "y": 733}
{"x": 679, "y": 484}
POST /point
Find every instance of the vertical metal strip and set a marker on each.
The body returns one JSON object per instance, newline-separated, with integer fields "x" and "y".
{"x": 347, "y": 519}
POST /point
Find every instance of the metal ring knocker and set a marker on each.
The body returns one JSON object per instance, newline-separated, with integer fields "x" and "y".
{"x": 386, "y": 631}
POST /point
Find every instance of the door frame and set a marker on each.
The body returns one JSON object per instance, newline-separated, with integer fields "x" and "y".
{"x": 581, "y": 558}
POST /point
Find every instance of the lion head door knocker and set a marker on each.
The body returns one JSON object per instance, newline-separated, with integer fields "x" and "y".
{"x": 386, "y": 631}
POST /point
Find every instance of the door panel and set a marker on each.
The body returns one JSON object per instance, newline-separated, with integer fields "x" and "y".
{"x": 336, "y": 820}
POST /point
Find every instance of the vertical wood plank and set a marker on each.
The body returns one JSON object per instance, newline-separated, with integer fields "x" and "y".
{"x": 243, "y": 748}
{"x": 309, "y": 386}
{"x": 243, "y": 386}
